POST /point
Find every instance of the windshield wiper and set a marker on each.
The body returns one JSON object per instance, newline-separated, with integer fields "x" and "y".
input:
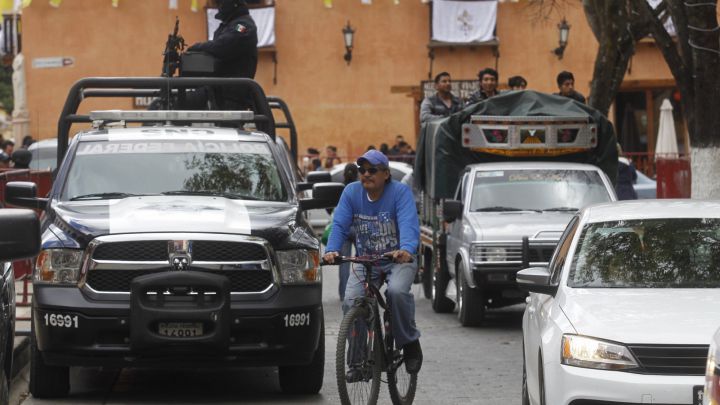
{"x": 499, "y": 208}
{"x": 562, "y": 209}
{"x": 104, "y": 196}
{"x": 210, "y": 193}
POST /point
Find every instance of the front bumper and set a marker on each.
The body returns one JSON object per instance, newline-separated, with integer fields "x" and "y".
{"x": 265, "y": 332}
{"x": 568, "y": 385}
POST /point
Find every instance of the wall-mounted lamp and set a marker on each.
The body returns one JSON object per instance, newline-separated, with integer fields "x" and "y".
{"x": 348, "y": 36}
{"x": 564, "y": 31}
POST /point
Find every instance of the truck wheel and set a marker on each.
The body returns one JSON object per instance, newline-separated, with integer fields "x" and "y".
{"x": 440, "y": 302}
{"x": 305, "y": 379}
{"x": 4, "y": 387}
{"x": 427, "y": 275}
{"x": 46, "y": 381}
{"x": 471, "y": 304}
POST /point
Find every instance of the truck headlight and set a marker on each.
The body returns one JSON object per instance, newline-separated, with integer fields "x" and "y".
{"x": 299, "y": 266}
{"x": 480, "y": 253}
{"x": 581, "y": 351}
{"x": 58, "y": 266}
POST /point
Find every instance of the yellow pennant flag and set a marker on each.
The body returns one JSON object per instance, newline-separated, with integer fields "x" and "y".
{"x": 115, "y": 3}
{"x": 328, "y": 3}
{"x": 55, "y": 3}
{"x": 7, "y": 6}
{"x": 194, "y": 6}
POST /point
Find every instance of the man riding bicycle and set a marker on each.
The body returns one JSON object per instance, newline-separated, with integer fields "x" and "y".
{"x": 383, "y": 215}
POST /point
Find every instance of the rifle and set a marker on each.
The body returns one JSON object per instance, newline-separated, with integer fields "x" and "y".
{"x": 173, "y": 47}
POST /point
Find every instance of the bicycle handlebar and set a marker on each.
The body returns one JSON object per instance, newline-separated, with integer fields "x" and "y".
{"x": 371, "y": 259}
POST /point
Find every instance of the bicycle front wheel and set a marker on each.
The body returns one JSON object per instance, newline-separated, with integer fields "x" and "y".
{"x": 402, "y": 385}
{"x": 358, "y": 358}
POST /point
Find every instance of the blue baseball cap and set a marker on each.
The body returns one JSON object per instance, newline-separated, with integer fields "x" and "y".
{"x": 374, "y": 157}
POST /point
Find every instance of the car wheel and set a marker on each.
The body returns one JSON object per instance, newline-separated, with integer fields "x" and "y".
{"x": 305, "y": 379}
{"x": 46, "y": 381}
{"x": 440, "y": 302}
{"x": 4, "y": 387}
{"x": 470, "y": 302}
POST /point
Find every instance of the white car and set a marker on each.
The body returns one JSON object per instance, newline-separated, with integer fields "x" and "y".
{"x": 712, "y": 372}
{"x": 625, "y": 310}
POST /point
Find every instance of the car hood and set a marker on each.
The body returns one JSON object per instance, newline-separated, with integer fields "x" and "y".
{"x": 88, "y": 219}
{"x": 644, "y": 316}
{"x": 514, "y": 225}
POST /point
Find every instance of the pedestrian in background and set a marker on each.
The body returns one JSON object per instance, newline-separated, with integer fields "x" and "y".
{"x": 384, "y": 149}
{"x": 395, "y": 150}
{"x": 517, "y": 83}
{"x": 442, "y": 103}
{"x": 627, "y": 176}
{"x": 331, "y": 157}
{"x": 566, "y": 86}
{"x": 488, "y": 86}
{"x": 350, "y": 175}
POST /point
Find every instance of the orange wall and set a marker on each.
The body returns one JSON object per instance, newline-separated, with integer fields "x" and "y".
{"x": 331, "y": 102}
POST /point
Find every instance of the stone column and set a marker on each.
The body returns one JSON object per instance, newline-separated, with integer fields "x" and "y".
{"x": 20, "y": 114}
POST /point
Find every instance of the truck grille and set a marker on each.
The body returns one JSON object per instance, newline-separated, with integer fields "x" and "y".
{"x": 670, "y": 360}
{"x": 119, "y": 280}
{"x": 157, "y": 251}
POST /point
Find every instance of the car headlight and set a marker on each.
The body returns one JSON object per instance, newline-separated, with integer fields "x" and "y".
{"x": 581, "y": 351}
{"x": 58, "y": 266}
{"x": 480, "y": 253}
{"x": 712, "y": 374}
{"x": 299, "y": 266}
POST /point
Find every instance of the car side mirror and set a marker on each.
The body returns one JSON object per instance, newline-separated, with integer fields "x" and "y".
{"x": 24, "y": 194}
{"x": 20, "y": 238}
{"x": 452, "y": 210}
{"x": 536, "y": 280}
{"x": 325, "y": 195}
{"x": 303, "y": 186}
{"x": 318, "y": 177}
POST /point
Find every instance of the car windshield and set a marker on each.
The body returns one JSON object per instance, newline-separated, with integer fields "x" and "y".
{"x": 537, "y": 190}
{"x": 650, "y": 253}
{"x": 102, "y": 170}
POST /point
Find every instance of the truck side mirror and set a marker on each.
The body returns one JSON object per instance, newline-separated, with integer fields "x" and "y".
{"x": 20, "y": 238}
{"x": 452, "y": 210}
{"x": 325, "y": 195}
{"x": 536, "y": 280}
{"x": 24, "y": 194}
{"x": 318, "y": 177}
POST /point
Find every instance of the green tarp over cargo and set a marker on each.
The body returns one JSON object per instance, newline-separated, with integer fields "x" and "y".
{"x": 441, "y": 157}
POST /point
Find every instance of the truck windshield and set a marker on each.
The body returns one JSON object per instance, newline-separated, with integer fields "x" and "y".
{"x": 649, "y": 253}
{"x": 119, "y": 169}
{"x": 537, "y": 190}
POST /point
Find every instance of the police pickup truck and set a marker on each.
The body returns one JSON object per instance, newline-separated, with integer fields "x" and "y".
{"x": 175, "y": 239}
{"x": 500, "y": 180}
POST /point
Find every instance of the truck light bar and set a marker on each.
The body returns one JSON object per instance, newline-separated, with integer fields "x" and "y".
{"x": 165, "y": 115}
{"x": 529, "y": 136}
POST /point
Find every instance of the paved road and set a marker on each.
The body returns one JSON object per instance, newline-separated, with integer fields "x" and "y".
{"x": 462, "y": 366}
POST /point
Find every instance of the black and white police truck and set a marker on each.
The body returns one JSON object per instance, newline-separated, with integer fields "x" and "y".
{"x": 175, "y": 239}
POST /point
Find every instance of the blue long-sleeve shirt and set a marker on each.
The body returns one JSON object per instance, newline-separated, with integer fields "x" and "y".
{"x": 381, "y": 226}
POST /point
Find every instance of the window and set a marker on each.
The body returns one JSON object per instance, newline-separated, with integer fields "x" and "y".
{"x": 558, "y": 261}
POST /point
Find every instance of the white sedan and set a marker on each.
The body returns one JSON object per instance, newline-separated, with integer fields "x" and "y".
{"x": 626, "y": 308}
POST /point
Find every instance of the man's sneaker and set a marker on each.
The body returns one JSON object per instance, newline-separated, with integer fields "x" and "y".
{"x": 413, "y": 357}
{"x": 354, "y": 374}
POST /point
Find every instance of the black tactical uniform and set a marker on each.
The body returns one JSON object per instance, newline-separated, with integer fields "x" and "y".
{"x": 234, "y": 44}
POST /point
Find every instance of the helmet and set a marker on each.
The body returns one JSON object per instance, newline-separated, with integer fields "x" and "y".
{"x": 228, "y": 8}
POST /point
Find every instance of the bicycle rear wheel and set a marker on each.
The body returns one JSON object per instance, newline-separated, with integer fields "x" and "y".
{"x": 402, "y": 385}
{"x": 359, "y": 349}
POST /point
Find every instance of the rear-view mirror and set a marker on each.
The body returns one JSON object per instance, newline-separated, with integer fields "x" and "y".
{"x": 20, "y": 238}
{"x": 318, "y": 177}
{"x": 536, "y": 280}
{"x": 325, "y": 195}
{"x": 24, "y": 194}
{"x": 452, "y": 210}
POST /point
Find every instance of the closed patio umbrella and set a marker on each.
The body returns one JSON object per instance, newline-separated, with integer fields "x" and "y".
{"x": 666, "y": 146}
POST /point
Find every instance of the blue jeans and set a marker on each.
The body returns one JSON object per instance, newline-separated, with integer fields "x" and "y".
{"x": 346, "y": 250}
{"x": 401, "y": 301}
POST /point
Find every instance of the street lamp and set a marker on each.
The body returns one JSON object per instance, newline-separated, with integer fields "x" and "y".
{"x": 564, "y": 30}
{"x": 348, "y": 36}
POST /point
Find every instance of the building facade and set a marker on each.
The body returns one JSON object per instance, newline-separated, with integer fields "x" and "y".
{"x": 349, "y": 105}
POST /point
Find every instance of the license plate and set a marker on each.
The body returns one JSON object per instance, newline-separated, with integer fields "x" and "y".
{"x": 180, "y": 329}
{"x": 698, "y": 392}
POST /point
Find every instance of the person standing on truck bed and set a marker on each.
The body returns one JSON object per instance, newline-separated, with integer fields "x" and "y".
{"x": 442, "y": 103}
{"x": 566, "y": 86}
{"x": 382, "y": 213}
{"x": 488, "y": 86}
{"x": 234, "y": 44}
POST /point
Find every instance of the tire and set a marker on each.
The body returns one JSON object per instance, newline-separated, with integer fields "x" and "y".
{"x": 368, "y": 390}
{"x": 525, "y": 394}
{"x": 401, "y": 385}
{"x": 46, "y": 381}
{"x": 305, "y": 379}
{"x": 471, "y": 303}
{"x": 427, "y": 275}
{"x": 4, "y": 387}
{"x": 541, "y": 381}
{"x": 440, "y": 302}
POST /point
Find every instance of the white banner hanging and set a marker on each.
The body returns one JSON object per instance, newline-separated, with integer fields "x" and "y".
{"x": 464, "y": 21}
{"x": 264, "y": 20}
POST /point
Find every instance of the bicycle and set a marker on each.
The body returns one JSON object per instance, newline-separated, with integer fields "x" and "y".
{"x": 368, "y": 348}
